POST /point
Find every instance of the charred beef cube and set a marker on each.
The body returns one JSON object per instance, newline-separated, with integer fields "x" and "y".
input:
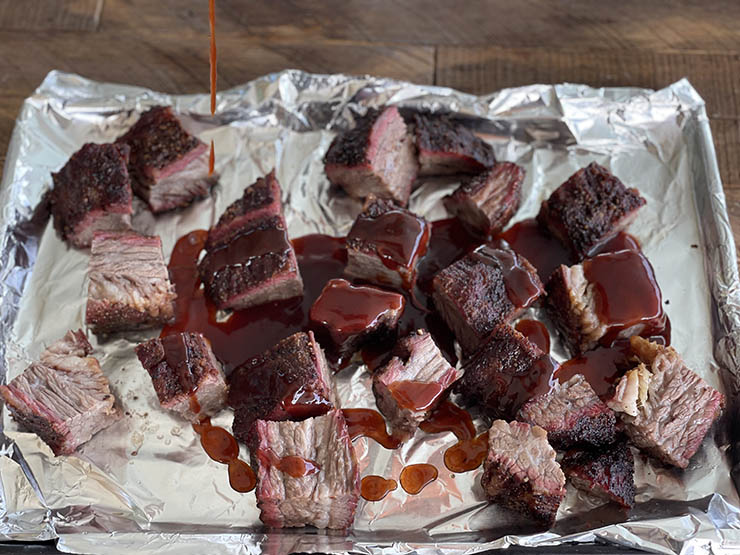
{"x": 185, "y": 374}
{"x": 253, "y": 266}
{"x": 608, "y": 472}
{"x": 489, "y": 286}
{"x": 260, "y": 200}
{"x": 666, "y": 408}
{"x": 448, "y": 147}
{"x": 129, "y": 284}
{"x": 376, "y": 157}
{"x": 486, "y": 202}
{"x": 521, "y": 472}
{"x": 290, "y": 381}
{"x": 92, "y": 192}
{"x": 64, "y": 398}
{"x": 412, "y": 383}
{"x": 608, "y": 297}
{"x": 307, "y": 472}
{"x": 386, "y": 243}
{"x": 504, "y": 373}
{"x": 571, "y": 414}
{"x": 168, "y": 165}
{"x": 352, "y": 315}
{"x": 590, "y": 208}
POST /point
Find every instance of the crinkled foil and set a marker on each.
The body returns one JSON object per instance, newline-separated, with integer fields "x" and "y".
{"x": 146, "y": 485}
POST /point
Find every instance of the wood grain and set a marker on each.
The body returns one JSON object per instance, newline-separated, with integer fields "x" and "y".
{"x": 45, "y": 15}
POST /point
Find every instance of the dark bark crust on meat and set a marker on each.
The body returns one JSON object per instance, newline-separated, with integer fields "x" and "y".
{"x": 441, "y": 134}
{"x": 156, "y": 140}
{"x": 519, "y": 496}
{"x": 589, "y": 209}
{"x": 109, "y": 317}
{"x": 607, "y": 473}
{"x": 350, "y": 148}
{"x": 596, "y": 429}
{"x": 95, "y": 178}
{"x": 41, "y": 427}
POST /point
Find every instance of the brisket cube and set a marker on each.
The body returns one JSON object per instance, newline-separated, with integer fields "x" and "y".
{"x": 608, "y": 297}
{"x": 504, "y": 373}
{"x": 352, "y": 315}
{"x": 64, "y": 398}
{"x": 92, "y": 192}
{"x": 386, "y": 243}
{"x": 666, "y": 408}
{"x": 590, "y": 208}
{"x": 521, "y": 473}
{"x": 446, "y": 147}
{"x": 571, "y": 414}
{"x": 608, "y": 473}
{"x": 129, "y": 284}
{"x": 289, "y": 381}
{"x": 185, "y": 374}
{"x": 375, "y": 157}
{"x": 168, "y": 165}
{"x": 412, "y": 383}
{"x": 489, "y": 286}
{"x": 307, "y": 472}
{"x": 485, "y": 202}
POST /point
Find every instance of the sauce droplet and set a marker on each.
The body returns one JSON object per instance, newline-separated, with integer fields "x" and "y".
{"x": 293, "y": 465}
{"x": 415, "y": 477}
{"x": 536, "y": 332}
{"x": 375, "y": 488}
{"x": 212, "y": 159}
{"x": 241, "y": 476}
{"x": 415, "y": 396}
{"x": 369, "y": 423}
{"x": 448, "y": 417}
{"x": 222, "y": 447}
{"x": 544, "y": 252}
{"x": 601, "y": 367}
{"x": 468, "y": 454}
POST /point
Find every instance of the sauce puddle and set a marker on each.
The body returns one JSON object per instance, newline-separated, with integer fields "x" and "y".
{"x": 375, "y": 488}
{"x": 536, "y": 332}
{"x": 369, "y": 423}
{"x": 415, "y": 477}
{"x": 470, "y": 450}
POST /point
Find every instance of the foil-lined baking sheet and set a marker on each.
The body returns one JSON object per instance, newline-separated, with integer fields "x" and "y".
{"x": 145, "y": 484}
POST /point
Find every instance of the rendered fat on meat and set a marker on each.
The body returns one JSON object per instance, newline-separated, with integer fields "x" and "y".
{"x": 353, "y": 315}
{"x": 64, "y": 398}
{"x": 289, "y": 381}
{"x": 307, "y": 472}
{"x": 168, "y": 165}
{"x": 666, "y": 408}
{"x": 571, "y": 414}
{"x": 446, "y": 146}
{"x": 129, "y": 285}
{"x": 485, "y": 202}
{"x": 608, "y": 297}
{"x": 489, "y": 286}
{"x": 607, "y": 472}
{"x": 504, "y": 373}
{"x": 375, "y": 157}
{"x": 521, "y": 473}
{"x": 92, "y": 192}
{"x": 385, "y": 244}
{"x": 412, "y": 383}
{"x": 185, "y": 374}
{"x": 249, "y": 258}
{"x": 589, "y": 209}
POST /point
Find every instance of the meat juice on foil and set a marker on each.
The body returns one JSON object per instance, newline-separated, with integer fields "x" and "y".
{"x": 145, "y": 483}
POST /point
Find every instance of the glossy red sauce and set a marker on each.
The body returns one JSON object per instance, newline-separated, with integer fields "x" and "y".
{"x": 544, "y": 252}
{"x": 222, "y": 447}
{"x": 292, "y": 465}
{"x": 536, "y": 332}
{"x": 212, "y": 158}
{"x": 375, "y": 488}
{"x": 248, "y": 244}
{"x": 369, "y": 423}
{"x": 521, "y": 288}
{"x": 415, "y": 477}
{"x": 415, "y": 396}
{"x": 448, "y": 417}
{"x": 467, "y": 454}
{"x": 601, "y": 367}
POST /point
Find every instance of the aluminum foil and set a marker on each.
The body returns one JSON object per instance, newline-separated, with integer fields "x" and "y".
{"x": 145, "y": 484}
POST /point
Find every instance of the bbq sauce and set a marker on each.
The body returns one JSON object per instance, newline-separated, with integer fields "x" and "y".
{"x": 448, "y": 417}
{"x": 415, "y": 396}
{"x": 521, "y": 288}
{"x": 536, "y": 332}
{"x": 177, "y": 356}
{"x": 375, "y": 488}
{"x": 213, "y": 75}
{"x": 369, "y": 423}
{"x": 601, "y": 367}
{"x": 292, "y": 465}
{"x": 247, "y": 245}
{"x": 467, "y": 454}
{"x": 415, "y": 477}
{"x": 544, "y": 251}
{"x": 222, "y": 447}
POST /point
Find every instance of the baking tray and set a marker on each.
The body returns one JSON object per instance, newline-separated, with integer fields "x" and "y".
{"x": 119, "y": 493}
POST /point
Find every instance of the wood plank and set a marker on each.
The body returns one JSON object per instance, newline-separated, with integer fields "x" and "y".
{"x": 726, "y": 135}
{"x": 45, "y": 15}
{"x": 577, "y": 24}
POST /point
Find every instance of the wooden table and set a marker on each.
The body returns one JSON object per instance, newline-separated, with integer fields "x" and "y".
{"x": 476, "y": 46}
